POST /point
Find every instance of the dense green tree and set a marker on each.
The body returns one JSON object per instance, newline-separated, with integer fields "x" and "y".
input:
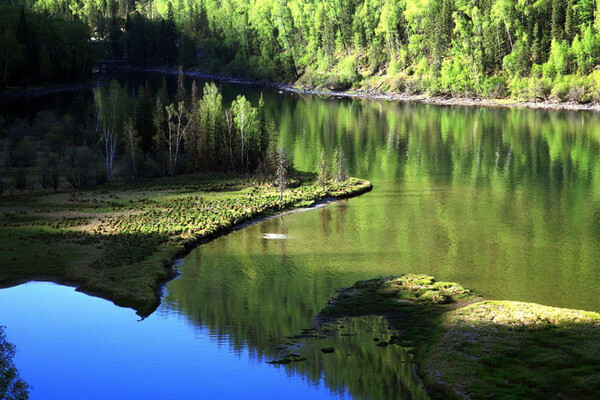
{"x": 144, "y": 119}
{"x": 212, "y": 128}
{"x": 36, "y": 48}
{"x": 475, "y": 47}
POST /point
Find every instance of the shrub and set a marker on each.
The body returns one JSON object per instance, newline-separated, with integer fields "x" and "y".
{"x": 519, "y": 88}
{"x": 400, "y": 83}
{"x": 540, "y": 88}
{"x": 592, "y": 81}
{"x": 578, "y": 93}
{"x": 348, "y": 72}
{"x": 571, "y": 88}
{"x": 82, "y": 167}
{"x": 24, "y": 152}
{"x": 494, "y": 87}
{"x": 20, "y": 179}
{"x": 560, "y": 90}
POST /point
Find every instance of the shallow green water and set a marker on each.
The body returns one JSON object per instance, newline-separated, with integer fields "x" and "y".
{"x": 506, "y": 202}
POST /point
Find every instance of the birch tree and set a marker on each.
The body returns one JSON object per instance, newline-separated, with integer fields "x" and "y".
{"x": 246, "y": 122}
{"x": 113, "y": 110}
{"x": 229, "y": 138}
{"x": 179, "y": 123}
{"x": 211, "y": 117}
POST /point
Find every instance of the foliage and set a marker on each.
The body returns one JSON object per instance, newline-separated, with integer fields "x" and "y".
{"x": 447, "y": 46}
{"x": 11, "y": 385}
{"x": 37, "y": 48}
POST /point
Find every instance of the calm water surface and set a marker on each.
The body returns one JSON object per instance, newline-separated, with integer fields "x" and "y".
{"x": 506, "y": 202}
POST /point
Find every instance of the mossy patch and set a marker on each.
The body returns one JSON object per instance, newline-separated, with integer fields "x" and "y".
{"x": 115, "y": 242}
{"x": 467, "y": 347}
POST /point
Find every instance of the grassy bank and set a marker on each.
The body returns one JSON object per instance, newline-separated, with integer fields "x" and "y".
{"x": 118, "y": 242}
{"x": 467, "y": 347}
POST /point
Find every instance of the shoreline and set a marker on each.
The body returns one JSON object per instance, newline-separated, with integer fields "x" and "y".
{"x": 255, "y": 219}
{"x": 466, "y": 346}
{"x": 47, "y": 90}
{"x": 167, "y": 254}
{"x": 383, "y": 96}
{"x": 446, "y": 101}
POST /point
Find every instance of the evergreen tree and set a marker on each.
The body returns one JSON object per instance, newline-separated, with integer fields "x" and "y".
{"x": 144, "y": 119}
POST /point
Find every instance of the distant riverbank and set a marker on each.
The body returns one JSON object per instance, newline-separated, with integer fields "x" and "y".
{"x": 386, "y": 96}
{"x": 45, "y": 90}
{"x": 33, "y": 92}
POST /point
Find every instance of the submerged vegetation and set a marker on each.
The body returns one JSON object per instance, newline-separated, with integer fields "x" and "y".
{"x": 117, "y": 240}
{"x": 468, "y": 347}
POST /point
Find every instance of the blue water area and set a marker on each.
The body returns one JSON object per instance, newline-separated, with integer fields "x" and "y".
{"x": 73, "y": 346}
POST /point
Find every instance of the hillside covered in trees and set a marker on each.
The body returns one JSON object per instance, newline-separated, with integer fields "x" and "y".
{"x": 40, "y": 48}
{"x": 544, "y": 49}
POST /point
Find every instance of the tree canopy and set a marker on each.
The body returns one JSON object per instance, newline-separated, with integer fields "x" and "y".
{"x": 469, "y": 47}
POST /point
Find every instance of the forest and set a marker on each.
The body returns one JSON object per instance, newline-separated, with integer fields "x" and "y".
{"x": 38, "y": 48}
{"x": 493, "y": 48}
{"x": 139, "y": 136}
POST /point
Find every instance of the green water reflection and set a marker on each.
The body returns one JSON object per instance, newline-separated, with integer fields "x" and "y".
{"x": 503, "y": 201}
{"x": 506, "y": 202}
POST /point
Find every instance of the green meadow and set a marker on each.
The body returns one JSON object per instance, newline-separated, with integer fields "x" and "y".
{"x": 119, "y": 241}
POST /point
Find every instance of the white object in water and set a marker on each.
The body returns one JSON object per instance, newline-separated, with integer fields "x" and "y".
{"x": 275, "y": 236}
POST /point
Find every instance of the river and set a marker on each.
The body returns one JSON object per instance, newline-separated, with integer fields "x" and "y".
{"x": 505, "y": 202}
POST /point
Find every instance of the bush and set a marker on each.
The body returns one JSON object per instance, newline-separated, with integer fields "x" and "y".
{"x": 348, "y": 73}
{"x": 578, "y": 93}
{"x": 519, "y": 88}
{"x": 592, "y": 81}
{"x": 455, "y": 78}
{"x": 335, "y": 83}
{"x": 540, "y": 88}
{"x": 20, "y": 180}
{"x": 571, "y": 88}
{"x": 82, "y": 167}
{"x": 399, "y": 83}
{"x": 560, "y": 90}
{"x": 494, "y": 87}
{"x": 50, "y": 173}
{"x": 24, "y": 152}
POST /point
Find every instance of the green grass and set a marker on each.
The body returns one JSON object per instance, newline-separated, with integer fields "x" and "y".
{"x": 467, "y": 347}
{"x": 118, "y": 242}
